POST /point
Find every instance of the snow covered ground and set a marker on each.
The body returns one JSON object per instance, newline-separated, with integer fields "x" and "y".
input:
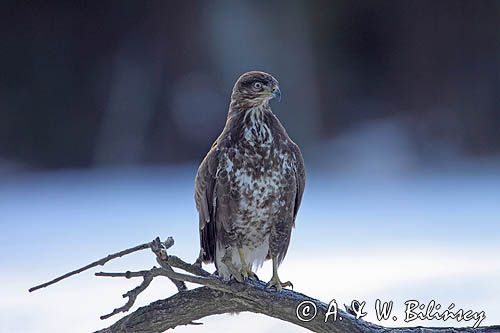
{"x": 429, "y": 235}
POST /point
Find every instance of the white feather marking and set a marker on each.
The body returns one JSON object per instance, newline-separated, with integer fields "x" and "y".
{"x": 258, "y": 126}
{"x": 229, "y": 165}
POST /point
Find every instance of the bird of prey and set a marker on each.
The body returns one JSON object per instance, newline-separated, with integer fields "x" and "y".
{"x": 249, "y": 186}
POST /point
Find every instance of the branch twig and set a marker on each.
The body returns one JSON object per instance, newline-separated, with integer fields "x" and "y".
{"x": 168, "y": 243}
{"x": 147, "y": 276}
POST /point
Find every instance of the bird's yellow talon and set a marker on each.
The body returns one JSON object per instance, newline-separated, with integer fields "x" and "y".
{"x": 276, "y": 283}
{"x": 275, "y": 280}
{"x": 246, "y": 272}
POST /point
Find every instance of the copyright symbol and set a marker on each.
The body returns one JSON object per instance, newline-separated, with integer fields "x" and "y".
{"x": 306, "y": 311}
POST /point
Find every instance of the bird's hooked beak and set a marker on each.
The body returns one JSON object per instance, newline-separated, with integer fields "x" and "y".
{"x": 276, "y": 93}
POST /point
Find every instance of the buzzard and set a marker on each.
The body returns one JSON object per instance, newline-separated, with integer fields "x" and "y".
{"x": 249, "y": 186}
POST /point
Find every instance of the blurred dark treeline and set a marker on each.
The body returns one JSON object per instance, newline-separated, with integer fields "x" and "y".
{"x": 89, "y": 83}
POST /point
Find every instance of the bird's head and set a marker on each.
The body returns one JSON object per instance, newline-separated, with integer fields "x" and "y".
{"x": 254, "y": 89}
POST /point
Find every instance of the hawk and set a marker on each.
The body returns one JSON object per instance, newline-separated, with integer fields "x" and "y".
{"x": 249, "y": 186}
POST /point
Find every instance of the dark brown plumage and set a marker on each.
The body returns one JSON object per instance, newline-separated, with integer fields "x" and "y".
{"x": 249, "y": 187}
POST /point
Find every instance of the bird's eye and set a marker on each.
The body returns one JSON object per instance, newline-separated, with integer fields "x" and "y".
{"x": 257, "y": 85}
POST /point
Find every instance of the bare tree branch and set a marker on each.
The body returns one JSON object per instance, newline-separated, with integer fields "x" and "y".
{"x": 218, "y": 297}
{"x": 252, "y": 296}
{"x": 127, "y": 274}
{"x": 176, "y": 262}
{"x": 168, "y": 243}
{"x": 160, "y": 249}
{"x": 147, "y": 276}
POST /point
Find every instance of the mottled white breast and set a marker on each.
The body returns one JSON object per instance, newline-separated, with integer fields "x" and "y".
{"x": 259, "y": 200}
{"x": 259, "y": 177}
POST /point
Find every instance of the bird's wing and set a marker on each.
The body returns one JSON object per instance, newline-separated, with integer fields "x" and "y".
{"x": 300, "y": 179}
{"x": 206, "y": 201}
{"x": 294, "y": 197}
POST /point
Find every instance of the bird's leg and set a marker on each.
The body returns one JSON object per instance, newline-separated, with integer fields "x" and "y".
{"x": 275, "y": 280}
{"x": 245, "y": 271}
